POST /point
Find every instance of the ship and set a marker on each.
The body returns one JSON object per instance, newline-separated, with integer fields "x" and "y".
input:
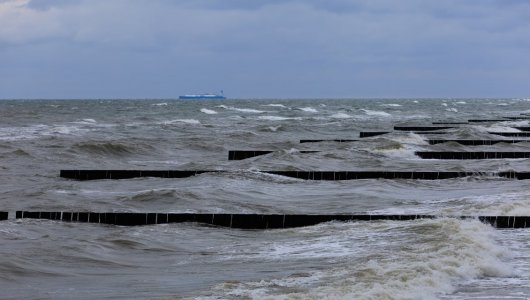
{"x": 203, "y": 96}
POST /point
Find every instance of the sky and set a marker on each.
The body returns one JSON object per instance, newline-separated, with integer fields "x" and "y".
{"x": 264, "y": 49}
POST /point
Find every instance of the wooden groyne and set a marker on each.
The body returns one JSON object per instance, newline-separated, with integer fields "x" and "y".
{"x": 421, "y": 128}
{"x": 250, "y": 221}
{"x": 306, "y": 175}
{"x": 471, "y": 155}
{"x": 244, "y": 154}
{"x": 365, "y": 134}
{"x": 512, "y": 134}
{"x": 335, "y": 140}
{"x": 476, "y": 142}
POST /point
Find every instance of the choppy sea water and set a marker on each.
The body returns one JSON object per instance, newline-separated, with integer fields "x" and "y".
{"x": 443, "y": 258}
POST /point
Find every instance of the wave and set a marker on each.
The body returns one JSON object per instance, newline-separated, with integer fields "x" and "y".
{"x": 414, "y": 260}
{"x": 410, "y": 138}
{"x": 376, "y": 113}
{"x": 38, "y": 131}
{"x": 173, "y": 195}
{"x": 391, "y": 105}
{"x": 104, "y": 148}
{"x": 187, "y": 121}
{"x": 208, "y": 111}
{"x": 246, "y": 110}
{"x": 308, "y": 109}
{"x": 341, "y": 115}
{"x": 505, "y": 204}
{"x": 275, "y": 105}
{"x": 495, "y": 128}
{"x": 397, "y": 150}
{"x": 274, "y": 128}
{"x": 277, "y": 118}
{"x": 86, "y": 121}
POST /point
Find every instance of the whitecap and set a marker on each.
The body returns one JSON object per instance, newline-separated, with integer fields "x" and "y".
{"x": 276, "y": 118}
{"x": 410, "y": 138}
{"x": 376, "y": 113}
{"x": 444, "y": 104}
{"x": 187, "y": 121}
{"x": 500, "y": 128}
{"x": 391, "y": 105}
{"x": 462, "y": 250}
{"x": 208, "y": 111}
{"x": 38, "y": 131}
{"x": 398, "y": 150}
{"x": 341, "y": 115}
{"x": 160, "y": 104}
{"x": 85, "y": 122}
{"x": 246, "y": 110}
{"x": 451, "y": 109}
{"x": 275, "y": 105}
{"x": 308, "y": 109}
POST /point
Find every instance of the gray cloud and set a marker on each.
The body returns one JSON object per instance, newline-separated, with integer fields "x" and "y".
{"x": 264, "y": 48}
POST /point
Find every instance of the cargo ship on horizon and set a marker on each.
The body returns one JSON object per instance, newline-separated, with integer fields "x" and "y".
{"x": 203, "y": 96}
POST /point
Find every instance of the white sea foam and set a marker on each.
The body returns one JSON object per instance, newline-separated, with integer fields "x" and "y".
{"x": 444, "y": 104}
{"x": 391, "y": 105}
{"x": 160, "y": 104}
{"x": 410, "y": 138}
{"x": 451, "y": 109}
{"x": 516, "y": 123}
{"x": 246, "y": 110}
{"x": 277, "y": 118}
{"x": 444, "y": 254}
{"x": 398, "y": 150}
{"x": 503, "y": 204}
{"x": 376, "y": 113}
{"x": 308, "y": 109}
{"x": 498, "y": 128}
{"x": 208, "y": 111}
{"x": 38, "y": 131}
{"x": 461, "y": 102}
{"x": 150, "y": 162}
{"x": 275, "y": 105}
{"x": 341, "y": 115}
{"x": 187, "y": 121}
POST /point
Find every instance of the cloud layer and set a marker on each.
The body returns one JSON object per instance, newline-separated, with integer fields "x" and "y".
{"x": 338, "y": 48}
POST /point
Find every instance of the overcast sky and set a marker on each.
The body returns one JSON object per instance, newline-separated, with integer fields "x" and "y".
{"x": 264, "y": 49}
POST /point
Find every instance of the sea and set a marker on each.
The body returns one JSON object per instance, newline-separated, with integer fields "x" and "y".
{"x": 441, "y": 258}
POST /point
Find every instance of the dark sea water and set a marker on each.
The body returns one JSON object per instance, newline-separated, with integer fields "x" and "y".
{"x": 443, "y": 258}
